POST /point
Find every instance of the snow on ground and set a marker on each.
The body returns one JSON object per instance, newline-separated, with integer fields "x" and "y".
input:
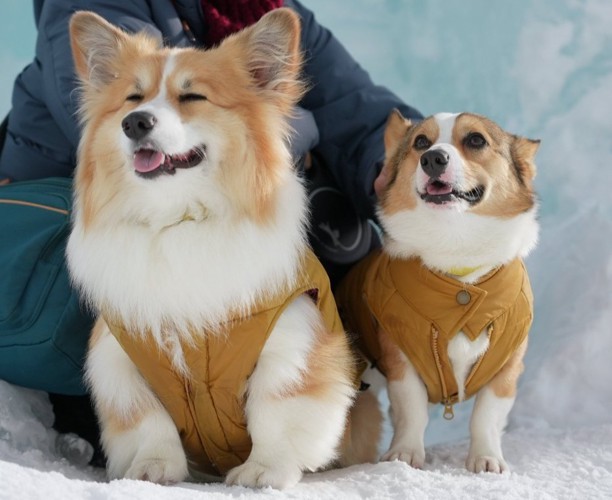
{"x": 541, "y": 68}
{"x": 546, "y": 464}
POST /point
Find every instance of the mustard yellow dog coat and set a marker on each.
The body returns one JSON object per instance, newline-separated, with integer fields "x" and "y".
{"x": 422, "y": 311}
{"x": 207, "y": 406}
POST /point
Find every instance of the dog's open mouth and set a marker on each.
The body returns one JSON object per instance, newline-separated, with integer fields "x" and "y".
{"x": 439, "y": 192}
{"x": 150, "y": 163}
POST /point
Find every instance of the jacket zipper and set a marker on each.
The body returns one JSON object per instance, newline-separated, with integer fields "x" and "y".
{"x": 185, "y": 25}
{"x": 446, "y": 401}
{"x": 34, "y": 205}
{"x": 60, "y": 234}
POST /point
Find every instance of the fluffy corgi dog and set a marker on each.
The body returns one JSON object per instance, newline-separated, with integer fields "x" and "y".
{"x": 218, "y": 347}
{"x": 445, "y": 307}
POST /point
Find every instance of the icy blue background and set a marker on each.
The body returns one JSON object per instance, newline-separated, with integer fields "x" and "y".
{"x": 541, "y": 68}
{"x": 17, "y": 39}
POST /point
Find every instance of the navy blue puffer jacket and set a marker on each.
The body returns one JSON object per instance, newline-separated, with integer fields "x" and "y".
{"x": 349, "y": 110}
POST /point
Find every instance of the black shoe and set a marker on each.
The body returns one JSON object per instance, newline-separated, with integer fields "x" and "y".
{"x": 75, "y": 415}
{"x": 338, "y": 235}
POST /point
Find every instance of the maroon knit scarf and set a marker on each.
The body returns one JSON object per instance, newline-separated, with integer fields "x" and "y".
{"x": 224, "y": 17}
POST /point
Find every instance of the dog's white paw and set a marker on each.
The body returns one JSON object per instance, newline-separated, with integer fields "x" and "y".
{"x": 486, "y": 463}
{"x": 414, "y": 457}
{"x": 255, "y": 475}
{"x": 158, "y": 470}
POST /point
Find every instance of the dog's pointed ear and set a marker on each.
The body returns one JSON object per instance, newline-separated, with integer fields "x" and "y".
{"x": 523, "y": 153}
{"x": 272, "y": 53}
{"x": 95, "y": 45}
{"x": 395, "y": 130}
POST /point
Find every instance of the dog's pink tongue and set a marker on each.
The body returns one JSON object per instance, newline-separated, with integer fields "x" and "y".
{"x": 147, "y": 160}
{"x": 436, "y": 188}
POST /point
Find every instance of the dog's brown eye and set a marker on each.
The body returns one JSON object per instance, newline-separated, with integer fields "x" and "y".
{"x": 134, "y": 97}
{"x": 475, "y": 141}
{"x": 191, "y": 97}
{"x": 422, "y": 142}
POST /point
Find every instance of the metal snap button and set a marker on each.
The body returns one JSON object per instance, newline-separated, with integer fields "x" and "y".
{"x": 463, "y": 297}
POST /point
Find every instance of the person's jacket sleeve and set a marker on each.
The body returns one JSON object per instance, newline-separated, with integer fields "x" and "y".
{"x": 349, "y": 109}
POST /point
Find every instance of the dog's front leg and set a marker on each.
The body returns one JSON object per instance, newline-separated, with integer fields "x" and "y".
{"x": 408, "y": 399}
{"x": 139, "y": 437}
{"x": 490, "y": 414}
{"x": 297, "y": 400}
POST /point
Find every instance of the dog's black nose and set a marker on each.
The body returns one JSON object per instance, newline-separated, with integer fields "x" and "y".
{"x": 138, "y": 124}
{"x": 434, "y": 162}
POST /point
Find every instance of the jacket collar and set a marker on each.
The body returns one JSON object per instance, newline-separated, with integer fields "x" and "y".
{"x": 454, "y": 306}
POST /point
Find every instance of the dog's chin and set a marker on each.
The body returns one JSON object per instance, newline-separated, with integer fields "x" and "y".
{"x": 150, "y": 163}
{"x": 442, "y": 194}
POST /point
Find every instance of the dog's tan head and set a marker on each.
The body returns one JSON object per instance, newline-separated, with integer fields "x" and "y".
{"x": 451, "y": 178}
{"x": 462, "y": 162}
{"x": 183, "y": 132}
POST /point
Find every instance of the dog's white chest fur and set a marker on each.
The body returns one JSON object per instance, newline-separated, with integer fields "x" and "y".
{"x": 463, "y": 353}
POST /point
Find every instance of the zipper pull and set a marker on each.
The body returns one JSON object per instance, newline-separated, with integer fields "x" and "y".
{"x": 448, "y": 414}
{"x": 188, "y": 32}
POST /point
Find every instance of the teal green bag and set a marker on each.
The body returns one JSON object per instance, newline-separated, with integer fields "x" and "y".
{"x": 44, "y": 327}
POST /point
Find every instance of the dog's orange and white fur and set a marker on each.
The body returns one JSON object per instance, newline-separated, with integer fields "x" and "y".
{"x": 196, "y": 219}
{"x": 473, "y": 212}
